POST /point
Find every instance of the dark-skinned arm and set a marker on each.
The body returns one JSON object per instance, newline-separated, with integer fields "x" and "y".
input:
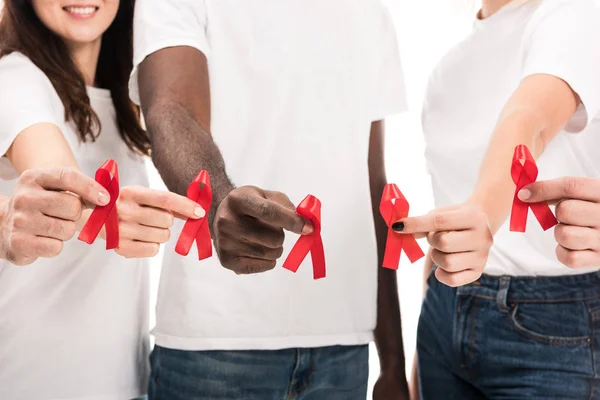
{"x": 175, "y": 99}
{"x": 392, "y": 383}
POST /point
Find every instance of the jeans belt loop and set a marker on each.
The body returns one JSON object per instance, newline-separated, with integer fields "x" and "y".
{"x": 502, "y": 296}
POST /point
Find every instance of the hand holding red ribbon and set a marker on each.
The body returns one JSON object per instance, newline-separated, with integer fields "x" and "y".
{"x": 197, "y": 229}
{"x": 524, "y": 172}
{"x": 394, "y": 207}
{"x": 108, "y": 176}
{"x": 309, "y": 208}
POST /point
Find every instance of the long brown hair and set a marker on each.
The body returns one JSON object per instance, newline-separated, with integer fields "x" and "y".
{"x": 22, "y": 31}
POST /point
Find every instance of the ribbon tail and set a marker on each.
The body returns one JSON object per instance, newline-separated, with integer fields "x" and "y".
{"x": 412, "y": 249}
{"x": 203, "y": 241}
{"x": 518, "y": 216}
{"x": 112, "y": 229}
{"x": 92, "y": 228}
{"x": 393, "y": 248}
{"x": 298, "y": 253}
{"x": 544, "y": 215}
{"x": 187, "y": 237}
{"x": 318, "y": 259}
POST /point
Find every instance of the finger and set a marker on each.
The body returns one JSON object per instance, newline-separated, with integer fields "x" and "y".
{"x": 74, "y": 181}
{"x": 272, "y": 213}
{"x": 577, "y": 258}
{"x": 453, "y": 220}
{"x": 36, "y": 246}
{"x": 143, "y": 233}
{"x": 458, "y": 241}
{"x": 453, "y": 262}
{"x": 59, "y": 205}
{"x": 455, "y": 279}
{"x": 134, "y": 249}
{"x": 145, "y": 215}
{"x": 577, "y": 237}
{"x": 253, "y": 231}
{"x": 581, "y": 188}
{"x": 578, "y": 212}
{"x": 166, "y": 201}
{"x": 247, "y": 266}
{"x": 248, "y": 250}
{"x": 52, "y": 228}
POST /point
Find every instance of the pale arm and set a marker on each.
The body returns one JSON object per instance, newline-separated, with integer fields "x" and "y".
{"x": 535, "y": 113}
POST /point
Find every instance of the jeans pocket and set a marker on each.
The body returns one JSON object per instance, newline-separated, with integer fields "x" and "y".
{"x": 556, "y": 324}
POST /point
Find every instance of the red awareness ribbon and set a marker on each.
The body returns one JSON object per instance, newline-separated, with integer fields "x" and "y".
{"x": 524, "y": 172}
{"x": 394, "y": 207}
{"x": 108, "y": 176}
{"x": 197, "y": 229}
{"x": 309, "y": 208}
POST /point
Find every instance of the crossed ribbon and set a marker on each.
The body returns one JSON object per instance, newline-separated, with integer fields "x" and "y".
{"x": 197, "y": 229}
{"x": 108, "y": 176}
{"x": 524, "y": 172}
{"x": 309, "y": 208}
{"x": 394, "y": 207}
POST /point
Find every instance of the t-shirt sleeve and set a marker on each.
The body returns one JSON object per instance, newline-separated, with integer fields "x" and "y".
{"x": 390, "y": 90}
{"x": 563, "y": 40}
{"x": 160, "y": 24}
{"x": 27, "y": 98}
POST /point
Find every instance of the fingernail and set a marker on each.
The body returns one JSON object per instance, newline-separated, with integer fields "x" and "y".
{"x": 103, "y": 198}
{"x": 199, "y": 212}
{"x": 398, "y": 226}
{"x": 524, "y": 194}
{"x": 307, "y": 229}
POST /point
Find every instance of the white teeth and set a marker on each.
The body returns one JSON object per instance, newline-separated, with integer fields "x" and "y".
{"x": 81, "y": 10}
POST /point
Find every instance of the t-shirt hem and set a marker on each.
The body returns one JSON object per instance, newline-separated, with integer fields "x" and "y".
{"x": 272, "y": 343}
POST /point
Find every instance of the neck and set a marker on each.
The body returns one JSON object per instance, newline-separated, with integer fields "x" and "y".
{"x": 86, "y": 58}
{"x": 490, "y": 7}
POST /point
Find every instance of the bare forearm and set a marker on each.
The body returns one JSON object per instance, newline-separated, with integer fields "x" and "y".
{"x": 181, "y": 148}
{"x": 494, "y": 190}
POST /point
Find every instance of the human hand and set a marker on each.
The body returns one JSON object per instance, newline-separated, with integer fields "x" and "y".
{"x": 146, "y": 216}
{"x": 577, "y": 202}
{"x": 460, "y": 238}
{"x": 42, "y": 212}
{"x": 249, "y": 228}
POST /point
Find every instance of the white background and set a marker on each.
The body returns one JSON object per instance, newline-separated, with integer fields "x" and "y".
{"x": 426, "y": 30}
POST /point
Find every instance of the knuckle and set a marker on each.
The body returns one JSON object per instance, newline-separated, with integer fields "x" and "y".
{"x": 562, "y": 211}
{"x": 55, "y": 248}
{"x": 571, "y": 185}
{"x": 70, "y": 229}
{"x": 73, "y": 208}
{"x": 165, "y": 235}
{"x": 265, "y": 210}
{"x": 67, "y": 176}
{"x": 563, "y": 235}
{"x": 154, "y": 250}
{"x": 28, "y": 176}
{"x": 443, "y": 243}
{"x": 573, "y": 259}
{"x": 439, "y": 220}
{"x": 21, "y": 201}
{"x": 278, "y": 252}
{"x": 20, "y": 221}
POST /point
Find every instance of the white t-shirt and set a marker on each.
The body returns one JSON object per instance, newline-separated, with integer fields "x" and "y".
{"x": 75, "y": 326}
{"x": 295, "y": 86}
{"x": 472, "y": 83}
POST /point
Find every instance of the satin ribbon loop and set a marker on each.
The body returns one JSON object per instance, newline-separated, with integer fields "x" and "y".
{"x": 199, "y": 191}
{"x": 309, "y": 208}
{"x": 394, "y": 207}
{"x": 524, "y": 171}
{"x": 108, "y": 176}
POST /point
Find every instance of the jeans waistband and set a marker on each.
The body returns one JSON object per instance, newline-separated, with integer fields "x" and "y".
{"x": 535, "y": 289}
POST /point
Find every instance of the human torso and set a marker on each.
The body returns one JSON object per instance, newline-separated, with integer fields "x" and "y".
{"x": 76, "y": 326}
{"x": 466, "y": 93}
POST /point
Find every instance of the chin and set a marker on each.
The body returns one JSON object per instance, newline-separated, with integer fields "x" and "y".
{"x": 83, "y": 36}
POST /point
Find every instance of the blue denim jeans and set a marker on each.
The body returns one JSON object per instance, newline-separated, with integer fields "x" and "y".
{"x": 511, "y": 338}
{"x": 332, "y": 373}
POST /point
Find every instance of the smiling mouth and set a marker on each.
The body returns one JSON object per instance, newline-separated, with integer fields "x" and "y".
{"x": 81, "y": 10}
